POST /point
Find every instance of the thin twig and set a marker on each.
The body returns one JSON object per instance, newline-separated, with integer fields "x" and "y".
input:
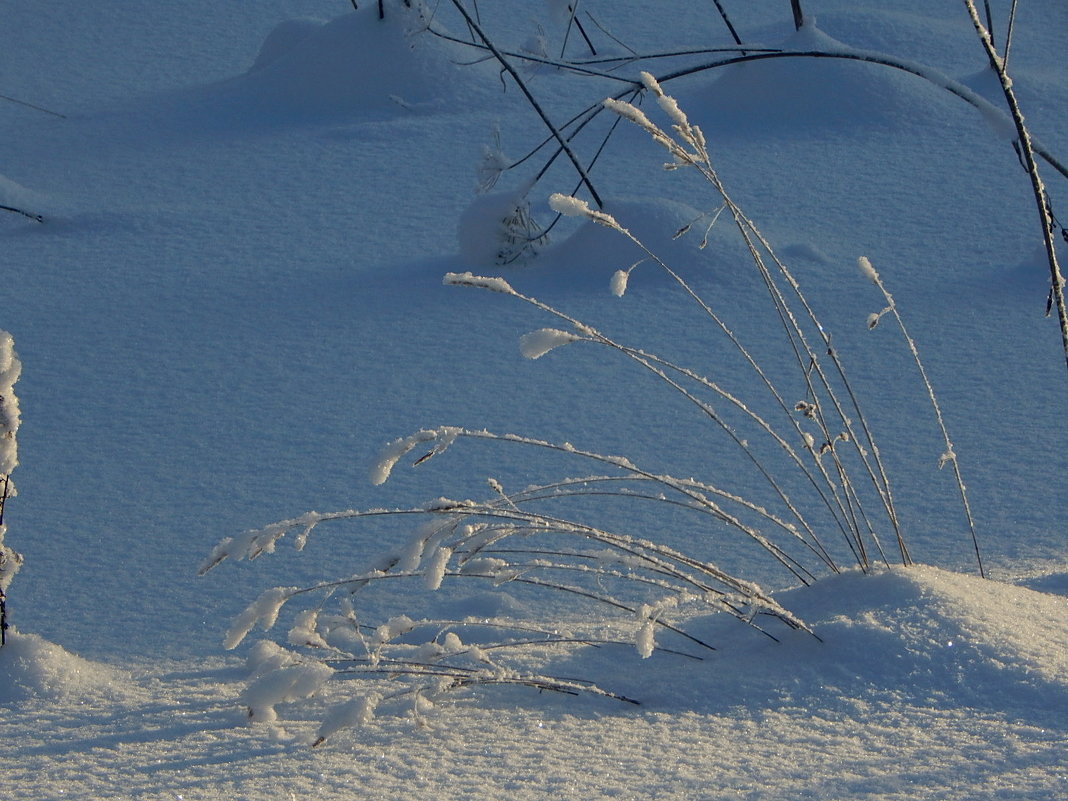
{"x": 1027, "y": 151}
{"x": 35, "y": 217}
{"x": 949, "y": 455}
{"x": 507, "y": 67}
{"x": 955, "y": 88}
{"x": 31, "y": 105}
{"x": 727, "y": 22}
{"x": 1010, "y": 29}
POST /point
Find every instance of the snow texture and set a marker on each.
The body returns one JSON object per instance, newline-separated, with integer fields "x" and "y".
{"x": 235, "y": 297}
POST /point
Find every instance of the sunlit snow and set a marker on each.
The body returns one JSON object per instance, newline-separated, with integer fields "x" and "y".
{"x": 264, "y": 272}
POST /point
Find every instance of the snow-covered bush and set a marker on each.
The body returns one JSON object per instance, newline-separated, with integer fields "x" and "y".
{"x": 10, "y": 560}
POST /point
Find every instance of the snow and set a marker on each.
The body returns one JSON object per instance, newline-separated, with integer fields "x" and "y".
{"x": 236, "y": 300}
{"x": 535, "y": 344}
{"x": 34, "y": 668}
{"x": 435, "y": 568}
{"x": 263, "y": 611}
{"x": 10, "y": 369}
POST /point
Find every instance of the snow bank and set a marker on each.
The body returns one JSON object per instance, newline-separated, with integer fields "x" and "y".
{"x": 352, "y": 63}
{"x": 807, "y": 94}
{"x": 31, "y": 667}
{"x": 918, "y": 637}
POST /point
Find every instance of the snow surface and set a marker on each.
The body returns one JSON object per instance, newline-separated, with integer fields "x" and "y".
{"x": 236, "y": 301}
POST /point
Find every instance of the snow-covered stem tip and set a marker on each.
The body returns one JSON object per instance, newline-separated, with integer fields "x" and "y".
{"x": 576, "y": 207}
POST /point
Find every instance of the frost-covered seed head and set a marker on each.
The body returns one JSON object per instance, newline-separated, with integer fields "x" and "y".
{"x": 867, "y": 270}
{"x": 651, "y": 83}
{"x": 630, "y": 112}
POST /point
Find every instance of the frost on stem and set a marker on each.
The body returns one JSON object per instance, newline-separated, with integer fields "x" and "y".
{"x": 253, "y": 544}
{"x": 10, "y": 369}
{"x": 691, "y": 134}
{"x": 278, "y": 676}
{"x": 645, "y": 641}
{"x": 632, "y": 113}
{"x": 568, "y": 206}
{"x": 305, "y": 631}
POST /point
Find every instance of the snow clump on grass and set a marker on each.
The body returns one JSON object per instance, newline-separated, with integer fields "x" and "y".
{"x": 10, "y": 419}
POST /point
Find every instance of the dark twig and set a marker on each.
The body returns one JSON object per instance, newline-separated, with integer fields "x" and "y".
{"x": 573, "y": 20}
{"x": 727, "y": 22}
{"x": 1027, "y": 153}
{"x": 507, "y": 67}
{"x": 31, "y": 215}
{"x": 3, "y": 595}
{"x": 955, "y": 88}
{"x": 31, "y": 105}
{"x": 1008, "y": 34}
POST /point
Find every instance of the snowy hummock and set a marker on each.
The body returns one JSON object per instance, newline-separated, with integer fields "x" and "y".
{"x": 917, "y": 667}
{"x": 33, "y": 669}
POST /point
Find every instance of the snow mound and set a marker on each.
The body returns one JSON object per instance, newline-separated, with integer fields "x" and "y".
{"x": 807, "y": 94}
{"x": 31, "y": 667}
{"x": 953, "y": 636}
{"x": 497, "y": 230}
{"x": 916, "y": 636}
{"x": 352, "y": 63}
{"x": 1052, "y": 583}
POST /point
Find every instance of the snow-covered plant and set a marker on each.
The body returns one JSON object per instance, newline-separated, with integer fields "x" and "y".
{"x": 10, "y": 560}
{"x": 814, "y": 453}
